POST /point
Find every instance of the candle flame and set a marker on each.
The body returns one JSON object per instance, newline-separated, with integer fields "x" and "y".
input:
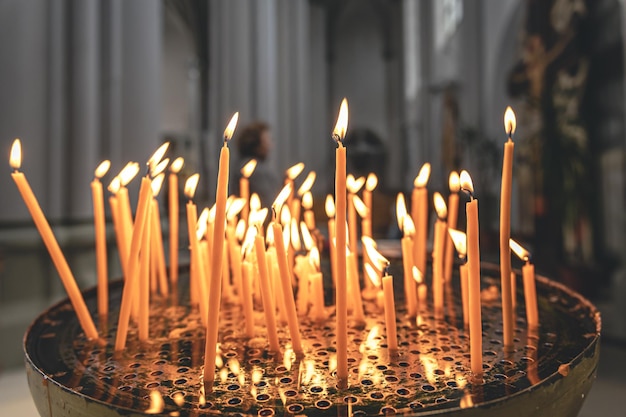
{"x": 401, "y": 211}
{"x": 259, "y": 216}
{"x": 307, "y": 239}
{"x": 285, "y": 216}
{"x": 212, "y": 214}
{"x": 307, "y": 184}
{"x": 360, "y": 206}
{"x": 191, "y": 184}
{"x": 248, "y": 168}
{"x": 519, "y": 250}
{"x": 115, "y": 185}
{"x": 202, "y": 225}
{"x": 177, "y": 165}
{"x": 422, "y": 177}
{"x": 509, "y": 121}
{"x": 373, "y": 275}
{"x": 375, "y": 257}
{"x": 235, "y": 208}
{"x": 156, "y": 403}
{"x": 282, "y": 197}
{"x": 459, "y": 239}
{"x": 466, "y": 182}
{"x": 15, "y": 158}
{"x": 159, "y": 168}
{"x": 408, "y": 226}
{"x": 255, "y": 202}
{"x": 129, "y": 172}
{"x": 307, "y": 200}
{"x": 248, "y": 242}
{"x": 102, "y": 169}
{"x": 269, "y": 236}
{"x": 295, "y": 234}
{"x": 454, "y": 182}
{"x": 157, "y": 183}
{"x": 339, "y": 133}
{"x": 329, "y": 206}
{"x": 371, "y": 182}
{"x": 293, "y": 171}
{"x": 230, "y": 128}
{"x": 314, "y": 258}
{"x": 158, "y": 155}
{"x": 354, "y": 185}
{"x": 240, "y": 229}
{"x": 418, "y": 276}
{"x": 440, "y": 205}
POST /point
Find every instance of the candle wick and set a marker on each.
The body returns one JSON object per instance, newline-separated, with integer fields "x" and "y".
{"x": 469, "y": 192}
{"x": 336, "y": 138}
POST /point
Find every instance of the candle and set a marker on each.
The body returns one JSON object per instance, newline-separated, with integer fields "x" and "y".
{"x": 291, "y": 174}
{"x": 419, "y": 213}
{"x": 306, "y": 186}
{"x": 157, "y": 241}
{"x": 438, "y": 253}
{"x": 353, "y": 186}
{"x": 175, "y": 168}
{"x": 126, "y": 175}
{"x": 370, "y": 185}
{"x": 453, "y": 210}
{"x": 66, "y": 275}
{"x": 355, "y": 289}
{"x": 340, "y": 219}
{"x": 405, "y": 224}
{"x": 530, "y": 290}
{"x": 473, "y": 265}
{"x": 459, "y": 240}
{"x": 382, "y": 264}
{"x": 234, "y": 251}
{"x": 114, "y": 188}
{"x": 418, "y": 277}
{"x": 505, "y": 230}
{"x": 144, "y": 279}
{"x": 216, "y": 259}
{"x": 100, "y": 238}
{"x": 309, "y": 215}
{"x": 192, "y": 224}
{"x": 244, "y": 187}
{"x": 316, "y": 285}
{"x": 329, "y": 206}
{"x": 248, "y": 307}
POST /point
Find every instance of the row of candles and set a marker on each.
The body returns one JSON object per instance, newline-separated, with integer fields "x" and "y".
{"x": 229, "y": 239}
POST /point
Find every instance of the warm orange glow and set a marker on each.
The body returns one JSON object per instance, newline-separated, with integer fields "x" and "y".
{"x": 307, "y": 200}
{"x": 460, "y": 241}
{"x": 102, "y": 169}
{"x": 230, "y": 128}
{"x": 269, "y": 236}
{"x": 160, "y": 167}
{"x": 375, "y": 257}
{"x": 307, "y": 239}
{"x": 287, "y": 236}
{"x": 522, "y": 253}
{"x": 354, "y": 184}
{"x": 454, "y": 182}
{"x": 129, "y": 172}
{"x": 157, "y": 183}
{"x": 282, "y": 197}
{"x": 509, "y": 121}
{"x": 255, "y": 202}
{"x": 234, "y": 208}
{"x": 177, "y": 165}
{"x": 422, "y": 177}
{"x": 360, "y": 206}
{"x": 307, "y": 184}
{"x": 329, "y": 206}
{"x": 202, "y": 224}
{"x": 314, "y": 258}
{"x": 115, "y": 185}
{"x": 371, "y": 182}
{"x": 212, "y": 214}
{"x": 240, "y": 229}
{"x": 15, "y": 159}
{"x": 293, "y": 171}
{"x": 466, "y": 182}
{"x": 191, "y": 184}
{"x": 408, "y": 227}
{"x": 248, "y": 241}
{"x": 339, "y": 133}
{"x": 417, "y": 274}
{"x": 373, "y": 275}
{"x": 401, "y": 212}
{"x": 248, "y": 168}
{"x": 368, "y": 241}
{"x": 294, "y": 234}
{"x": 157, "y": 156}
{"x": 285, "y": 216}
{"x": 156, "y": 403}
{"x": 260, "y": 215}
{"x": 440, "y": 205}
{"x": 204, "y": 215}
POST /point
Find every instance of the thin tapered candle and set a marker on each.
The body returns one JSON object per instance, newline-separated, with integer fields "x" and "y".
{"x": 530, "y": 290}
{"x": 438, "y": 253}
{"x": 114, "y": 187}
{"x": 453, "y": 211}
{"x": 419, "y": 213}
{"x": 177, "y": 165}
{"x": 244, "y": 187}
{"x": 65, "y": 273}
{"x": 370, "y": 184}
{"x": 329, "y": 206}
{"x": 405, "y": 224}
{"x": 100, "y": 238}
{"x": 459, "y": 240}
{"x": 144, "y": 279}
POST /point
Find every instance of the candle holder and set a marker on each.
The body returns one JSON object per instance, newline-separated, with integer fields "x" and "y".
{"x": 548, "y": 373}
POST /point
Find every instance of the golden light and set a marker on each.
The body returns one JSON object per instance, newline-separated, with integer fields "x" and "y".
{"x": 248, "y": 242}
{"x": 375, "y": 257}
{"x": 293, "y": 171}
{"x": 329, "y": 206}
{"x": 519, "y": 250}
{"x": 295, "y": 235}
{"x": 339, "y": 133}
{"x": 177, "y": 165}
{"x": 454, "y": 182}
{"x": 509, "y": 121}
{"x": 373, "y": 275}
{"x": 466, "y": 182}
{"x": 260, "y": 216}
{"x": 307, "y": 200}
{"x": 269, "y": 235}
{"x": 354, "y": 184}
{"x": 369, "y": 241}
{"x": 371, "y": 182}
{"x": 360, "y": 206}
{"x": 204, "y": 215}
{"x": 212, "y": 214}
{"x": 417, "y": 275}
{"x": 248, "y": 168}
{"x": 440, "y": 205}
{"x": 240, "y": 229}
{"x": 156, "y": 403}
{"x": 235, "y": 208}
{"x": 282, "y": 197}
{"x": 255, "y": 202}
{"x": 408, "y": 226}
{"x": 307, "y": 184}
{"x": 459, "y": 239}
{"x": 314, "y": 258}
{"x": 159, "y": 168}
{"x": 129, "y": 172}
{"x": 285, "y": 216}
{"x": 114, "y": 185}
{"x": 202, "y": 225}
{"x": 15, "y": 158}
{"x": 191, "y": 184}
{"x": 179, "y": 398}
{"x": 157, "y": 183}
{"x": 157, "y": 156}
{"x": 230, "y": 128}
{"x": 307, "y": 239}
{"x": 401, "y": 212}
{"x": 422, "y": 176}
{"x": 102, "y": 169}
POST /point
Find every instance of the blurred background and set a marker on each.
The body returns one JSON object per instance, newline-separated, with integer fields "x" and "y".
{"x": 427, "y": 81}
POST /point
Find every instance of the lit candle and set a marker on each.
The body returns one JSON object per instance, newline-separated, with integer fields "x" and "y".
{"x": 175, "y": 168}
{"x": 221, "y": 195}
{"x": 353, "y": 186}
{"x": 382, "y": 265}
{"x": 114, "y": 188}
{"x": 157, "y": 250}
{"x": 144, "y": 278}
{"x": 473, "y": 265}
{"x": 459, "y": 240}
{"x": 405, "y": 224}
{"x": 307, "y": 266}
{"x": 530, "y": 290}
{"x": 317, "y": 286}
{"x": 126, "y": 175}
{"x": 355, "y": 290}
{"x": 329, "y": 206}
{"x": 244, "y": 187}
{"x": 100, "y": 238}
{"x": 309, "y": 216}
{"x": 453, "y": 210}
{"x": 234, "y": 251}
{"x": 248, "y": 307}
{"x": 419, "y": 213}
{"x": 67, "y": 278}
{"x": 340, "y": 219}
{"x": 438, "y": 253}
{"x": 370, "y": 185}
{"x": 192, "y": 224}
{"x": 418, "y": 277}
{"x": 305, "y": 187}
{"x": 505, "y": 230}
{"x": 291, "y": 174}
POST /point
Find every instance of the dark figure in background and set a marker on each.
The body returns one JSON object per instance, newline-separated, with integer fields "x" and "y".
{"x": 255, "y": 142}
